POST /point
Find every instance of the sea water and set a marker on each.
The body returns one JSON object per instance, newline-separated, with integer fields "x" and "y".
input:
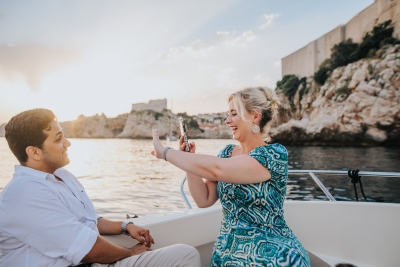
{"x": 122, "y": 177}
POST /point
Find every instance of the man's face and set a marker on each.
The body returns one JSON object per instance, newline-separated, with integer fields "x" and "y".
{"x": 54, "y": 150}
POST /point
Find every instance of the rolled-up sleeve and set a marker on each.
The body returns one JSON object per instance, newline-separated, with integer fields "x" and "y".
{"x": 55, "y": 231}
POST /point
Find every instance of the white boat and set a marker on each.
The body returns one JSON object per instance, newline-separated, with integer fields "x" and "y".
{"x": 171, "y": 138}
{"x": 364, "y": 234}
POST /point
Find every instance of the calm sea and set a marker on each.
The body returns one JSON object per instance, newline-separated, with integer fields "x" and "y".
{"x": 121, "y": 177}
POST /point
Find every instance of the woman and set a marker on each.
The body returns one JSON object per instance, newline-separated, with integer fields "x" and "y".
{"x": 250, "y": 181}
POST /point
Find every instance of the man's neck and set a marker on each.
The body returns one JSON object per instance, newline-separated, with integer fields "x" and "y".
{"x": 39, "y": 167}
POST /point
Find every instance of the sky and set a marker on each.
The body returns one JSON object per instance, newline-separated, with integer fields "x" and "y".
{"x": 96, "y": 56}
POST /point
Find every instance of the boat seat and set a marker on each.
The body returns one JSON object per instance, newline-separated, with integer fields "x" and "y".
{"x": 316, "y": 261}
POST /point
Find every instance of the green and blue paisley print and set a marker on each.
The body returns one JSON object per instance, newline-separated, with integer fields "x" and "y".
{"x": 253, "y": 230}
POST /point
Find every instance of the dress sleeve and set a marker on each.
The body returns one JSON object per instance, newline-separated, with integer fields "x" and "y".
{"x": 273, "y": 157}
{"x": 226, "y": 152}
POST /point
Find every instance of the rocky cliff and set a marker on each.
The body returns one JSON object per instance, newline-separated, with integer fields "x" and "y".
{"x": 359, "y": 104}
{"x": 140, "y": 123}
{"x": 98, "y": 126}
{"x": 137, "y": 124}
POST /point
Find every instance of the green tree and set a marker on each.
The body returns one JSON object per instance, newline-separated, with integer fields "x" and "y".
{"x": 343, "y": 53}
{"x": 288, "y": 85}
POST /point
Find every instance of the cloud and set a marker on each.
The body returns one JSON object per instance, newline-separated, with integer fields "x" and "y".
{"x": 277, "y": 64}
{"x": 230, "y": 39}
{"x": 201, "y": 48}
{"x": 269, "y": 19}
{"x": 196, "y": 48}
{"x": 32, "y": 62}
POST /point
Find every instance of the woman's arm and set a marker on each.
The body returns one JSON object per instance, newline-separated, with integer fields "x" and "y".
{"x": 203, "y": 192}
{"x": 242, "y": 169}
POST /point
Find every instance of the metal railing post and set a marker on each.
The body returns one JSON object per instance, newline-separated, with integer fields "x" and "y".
{"x": 321, "y": 185}
{"x": 183, "y": 193}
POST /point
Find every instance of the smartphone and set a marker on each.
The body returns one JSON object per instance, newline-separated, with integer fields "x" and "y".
{"x": 182, "y": 126}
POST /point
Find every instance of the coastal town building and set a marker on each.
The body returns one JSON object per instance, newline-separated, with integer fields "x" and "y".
{"x": 156, "y": 105}
{"x": 306, "y": 61}
{"x": 213, "y": 125}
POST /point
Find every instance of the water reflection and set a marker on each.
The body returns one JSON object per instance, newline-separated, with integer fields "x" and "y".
{"x": 377, "y": 189}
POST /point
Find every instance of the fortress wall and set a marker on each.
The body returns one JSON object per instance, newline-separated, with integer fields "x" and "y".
{"x": 331, "y": 38}
{"x": 299, "y": 62}
{"x": 390, "y": 9}
{"x": 157, "y": 105}
{"x": 362, "y": 23}
{"x": 306, "y": 60}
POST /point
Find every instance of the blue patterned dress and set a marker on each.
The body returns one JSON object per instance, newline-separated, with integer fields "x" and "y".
{"x": 253, "y": 230}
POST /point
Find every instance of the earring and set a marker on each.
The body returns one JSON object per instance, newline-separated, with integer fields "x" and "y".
{"x": 255, "y": 128}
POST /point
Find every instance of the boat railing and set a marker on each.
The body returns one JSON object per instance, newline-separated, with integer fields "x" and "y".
{"x": 313, "y": 175}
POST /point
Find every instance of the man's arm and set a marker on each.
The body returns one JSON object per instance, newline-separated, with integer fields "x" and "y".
{"x": 110, "y": 227}
{"x": 105, "y": 251}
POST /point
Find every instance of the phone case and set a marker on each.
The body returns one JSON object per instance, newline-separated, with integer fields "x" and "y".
{"x": 183, "y": 133}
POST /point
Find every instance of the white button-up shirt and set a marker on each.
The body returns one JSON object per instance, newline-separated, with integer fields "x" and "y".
{"x": 45, "y": 222}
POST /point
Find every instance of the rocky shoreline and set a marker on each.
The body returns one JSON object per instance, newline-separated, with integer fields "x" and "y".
{"x": 359, "y": 105}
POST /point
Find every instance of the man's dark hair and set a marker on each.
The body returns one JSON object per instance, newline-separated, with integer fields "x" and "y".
{"x": 27, "y": 129}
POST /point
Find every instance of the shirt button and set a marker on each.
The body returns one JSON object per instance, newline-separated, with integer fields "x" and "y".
{"x": 269, "y": 225}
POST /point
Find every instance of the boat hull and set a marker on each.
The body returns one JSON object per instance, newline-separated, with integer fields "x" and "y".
{"x": 361, "y": 233}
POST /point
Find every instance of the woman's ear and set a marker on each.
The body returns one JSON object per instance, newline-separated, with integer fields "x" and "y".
{"x": 256, "y": 116}
{"x": 34, "y": 153}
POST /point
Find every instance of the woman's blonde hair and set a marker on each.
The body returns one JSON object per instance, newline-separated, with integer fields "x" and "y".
{"x": 257, "y": 98}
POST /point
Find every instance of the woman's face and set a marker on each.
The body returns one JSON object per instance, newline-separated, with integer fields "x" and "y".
{"x": 240, "y": 128}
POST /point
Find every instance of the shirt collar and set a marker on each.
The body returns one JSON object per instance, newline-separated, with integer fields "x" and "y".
{"x": 39, "y": 174}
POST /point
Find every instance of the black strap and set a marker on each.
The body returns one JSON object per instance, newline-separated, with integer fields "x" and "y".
{"x": 355, "y": 178}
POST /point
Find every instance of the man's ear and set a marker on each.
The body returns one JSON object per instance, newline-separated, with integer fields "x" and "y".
{"x": 34, "y": 153}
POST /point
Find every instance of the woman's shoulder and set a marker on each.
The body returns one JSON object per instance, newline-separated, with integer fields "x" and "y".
{"x": 226, "y": 152}
{"x": 275, "y": 148}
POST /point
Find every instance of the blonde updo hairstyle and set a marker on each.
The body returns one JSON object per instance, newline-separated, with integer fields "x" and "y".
{"x": 257, "y": 98}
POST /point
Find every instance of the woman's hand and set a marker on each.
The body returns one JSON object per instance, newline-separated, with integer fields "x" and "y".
{"x": 182, "y": 145}
{"x": 158, "y": 147}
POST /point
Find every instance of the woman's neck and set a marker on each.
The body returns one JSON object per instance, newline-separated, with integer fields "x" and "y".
{"x": 251, "y": 144}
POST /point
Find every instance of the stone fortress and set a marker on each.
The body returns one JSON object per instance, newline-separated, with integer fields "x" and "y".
{"x": 157, "y": 105}
{"x": 306, "y": 60}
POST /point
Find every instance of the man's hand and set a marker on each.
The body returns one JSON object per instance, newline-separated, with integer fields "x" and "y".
{"x": 139, "y": 248}
{"x": 140, "y": 234}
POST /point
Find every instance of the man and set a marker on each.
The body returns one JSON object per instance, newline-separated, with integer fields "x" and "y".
{"x": 46, "y": 217}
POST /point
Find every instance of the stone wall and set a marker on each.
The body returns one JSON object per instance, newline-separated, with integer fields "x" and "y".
{"x": 306, "y": 60}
